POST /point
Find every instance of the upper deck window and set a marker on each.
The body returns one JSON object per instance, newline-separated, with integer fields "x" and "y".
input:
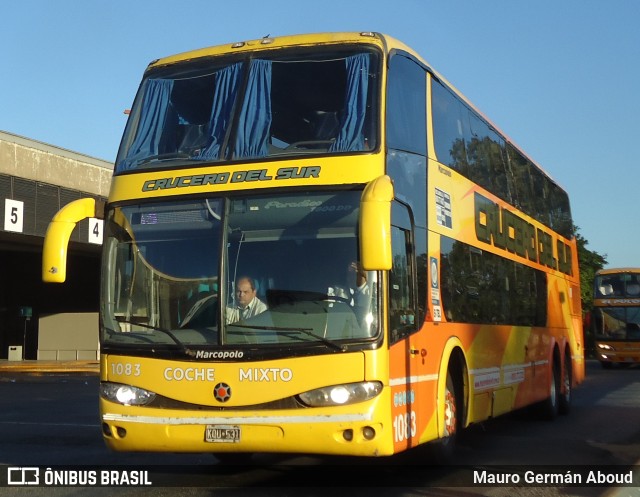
{"x": 464, "y": 141}
{"x": 215, "y": 110}
{"x": 617, "y": 285}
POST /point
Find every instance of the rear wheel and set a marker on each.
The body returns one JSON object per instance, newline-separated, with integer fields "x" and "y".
{"x": 565, "y": 396}
{"x": 549, "y": 407}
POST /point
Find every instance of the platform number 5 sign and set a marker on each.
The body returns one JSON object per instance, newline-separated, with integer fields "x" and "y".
{"x": 13, "y": 215}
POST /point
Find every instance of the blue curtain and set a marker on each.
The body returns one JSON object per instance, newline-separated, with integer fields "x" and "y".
{"x": 155, "y": 104}
{"x": 255, "y": 116}
{"x": 350, "y": 137}
{"x": 225, "y": 91}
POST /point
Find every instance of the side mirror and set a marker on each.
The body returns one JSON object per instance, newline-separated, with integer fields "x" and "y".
{"x": 375, "y": 225}
{"x": 56, "y": 240}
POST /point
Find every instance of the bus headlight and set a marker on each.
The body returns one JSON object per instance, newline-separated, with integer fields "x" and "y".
{"x": 126, "y": 394}
{"x": 604, "y": 346}
{"x": 339, "y": 395}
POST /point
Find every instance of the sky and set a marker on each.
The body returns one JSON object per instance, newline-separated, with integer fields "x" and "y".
{"x": 561, "y": 78}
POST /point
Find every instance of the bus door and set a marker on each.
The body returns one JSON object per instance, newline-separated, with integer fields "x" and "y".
{"x": 402, "y": 325}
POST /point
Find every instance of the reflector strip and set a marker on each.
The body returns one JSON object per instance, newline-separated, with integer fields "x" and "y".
{"x": 250, "y": 420}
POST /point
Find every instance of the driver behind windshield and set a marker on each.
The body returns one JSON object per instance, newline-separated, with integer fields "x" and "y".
{"x": 247, "y": 304}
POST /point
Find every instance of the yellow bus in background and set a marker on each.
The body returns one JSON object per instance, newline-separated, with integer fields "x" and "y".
{"x": 615, "y": 318}
{"x": 413, "y": 271}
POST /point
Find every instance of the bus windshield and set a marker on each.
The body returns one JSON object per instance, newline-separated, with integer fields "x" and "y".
{"x": 617, "y": 285}
{"x": 617, "y": 322}
{"x": 222, "y": 109}
{"x": 244, "y": 270}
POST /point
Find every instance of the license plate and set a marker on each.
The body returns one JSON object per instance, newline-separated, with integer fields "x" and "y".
{"x": 222, "y": 434}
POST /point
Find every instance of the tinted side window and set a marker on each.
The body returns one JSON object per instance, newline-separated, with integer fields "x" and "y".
{"x": 402, "y": 311}
{"x": 485, "y": 155}
{"x": 484, "y": 288}
{"x": 467, "y": 143}
{"x": 520, "y": 167}
{"x": 448, "y": 128}
{"x": 406, "y": 106}
{"x": 561, "y": 219}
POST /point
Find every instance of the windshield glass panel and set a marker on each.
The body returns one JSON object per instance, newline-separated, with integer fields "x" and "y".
{"x": 617, "y": 322}
{"x": 288, "y": 275}
{"x": 617, "y": 285}
{"x": 301, "y": 252}
{"x": 213, "y": 109}
{"x": 158, "y": 259}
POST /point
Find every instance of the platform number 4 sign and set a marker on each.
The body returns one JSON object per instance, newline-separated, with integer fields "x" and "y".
{"x": 95, "y": 230}
{"x": 13, "y": 215}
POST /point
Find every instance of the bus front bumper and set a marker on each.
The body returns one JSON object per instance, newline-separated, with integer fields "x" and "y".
{"x": 340, "y": 432}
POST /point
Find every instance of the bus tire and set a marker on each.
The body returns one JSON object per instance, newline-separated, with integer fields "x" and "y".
{"x": 443, "y": 449}
{"x": 564, "y": 404}
{"x": 550, "y": 407}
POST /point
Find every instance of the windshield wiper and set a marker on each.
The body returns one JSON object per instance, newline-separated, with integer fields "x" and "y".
{"x": 155, "y": 328}
{"x": 165, "y": 157}
{"x": 288, "y": 331}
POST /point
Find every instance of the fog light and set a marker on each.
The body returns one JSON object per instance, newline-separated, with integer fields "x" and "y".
{"x": 368, "y": 433}
{"x": 348, "y": 435}
{"x": 121, "y": 432}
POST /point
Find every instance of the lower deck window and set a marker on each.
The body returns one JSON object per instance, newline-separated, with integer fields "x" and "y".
{"x": 483, "y": 288}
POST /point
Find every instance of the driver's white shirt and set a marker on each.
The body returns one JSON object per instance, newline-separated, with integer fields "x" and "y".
{"x": 253, "y": 308}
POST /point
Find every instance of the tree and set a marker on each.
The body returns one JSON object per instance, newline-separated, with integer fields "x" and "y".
{"x": 589, "y": 262}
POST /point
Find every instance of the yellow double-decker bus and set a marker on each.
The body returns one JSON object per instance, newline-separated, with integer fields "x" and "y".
{"x": 315, "y": 244}
{"x": 615, "y": 318}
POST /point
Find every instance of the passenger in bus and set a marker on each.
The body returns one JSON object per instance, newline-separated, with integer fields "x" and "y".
{"x": 353, "y": 289}
{"x": 247, "y": 304}
{"x": 606, "y": 288}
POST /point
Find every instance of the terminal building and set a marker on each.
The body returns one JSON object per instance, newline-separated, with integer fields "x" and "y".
{"x": 44, "y": 320}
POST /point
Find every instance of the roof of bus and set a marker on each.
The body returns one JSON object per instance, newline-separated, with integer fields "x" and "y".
{"x": 618, "y": 270}
{"x": 269, "y": 43}
{"x": 383, "y": 41}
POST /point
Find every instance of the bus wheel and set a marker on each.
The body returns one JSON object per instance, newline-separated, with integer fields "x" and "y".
{"x": 564, "y": 405}
{"x": 450, "y": 409}
{"x": 549, "y": 407}
{"x": 443, "y": 450}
